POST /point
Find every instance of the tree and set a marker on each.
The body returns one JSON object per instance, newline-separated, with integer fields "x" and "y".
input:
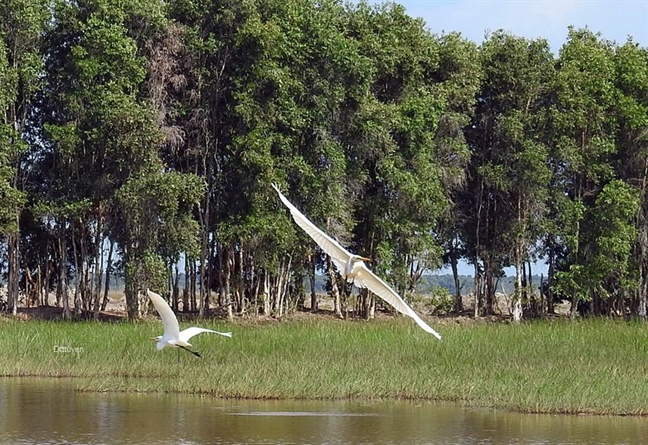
{"x": 509, "y": 166}
{"x": 22, "y": 23}
{"x": 632, "y": 159}
{"x": 99, "y": 130}
{"x": 459, "y": 77}
{"x": 583, "y": 128}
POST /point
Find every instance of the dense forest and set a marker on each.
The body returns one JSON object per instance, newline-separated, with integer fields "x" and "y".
{"x": 140, "y": 137}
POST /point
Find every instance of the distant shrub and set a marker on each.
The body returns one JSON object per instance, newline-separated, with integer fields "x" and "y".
{"x": 440, "y": 301}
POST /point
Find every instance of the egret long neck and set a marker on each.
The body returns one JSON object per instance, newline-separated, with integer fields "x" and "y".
{"x": 350, "y": 270}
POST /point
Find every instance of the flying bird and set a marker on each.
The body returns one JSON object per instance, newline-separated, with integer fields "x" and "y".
{"x": 173, "y": 337}
{"x": 352, "y": 267}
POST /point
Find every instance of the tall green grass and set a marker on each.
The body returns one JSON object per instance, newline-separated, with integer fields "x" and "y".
{"x": 592, "y": 366}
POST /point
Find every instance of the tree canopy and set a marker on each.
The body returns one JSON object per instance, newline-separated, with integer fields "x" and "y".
{"x": 141, "y": 137}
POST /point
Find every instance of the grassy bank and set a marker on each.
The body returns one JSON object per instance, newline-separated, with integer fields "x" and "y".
{"x": 597, "y": 366}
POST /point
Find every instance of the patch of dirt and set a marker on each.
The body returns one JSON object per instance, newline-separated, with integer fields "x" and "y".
{"x": 116, "y": 311}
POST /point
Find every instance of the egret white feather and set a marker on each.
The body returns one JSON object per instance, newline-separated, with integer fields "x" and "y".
{"x": 173, "y": 337}
{"x": 352, "y": 267}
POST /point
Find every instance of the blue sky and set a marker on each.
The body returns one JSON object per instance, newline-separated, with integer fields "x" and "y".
{"x": 549, "y": 19}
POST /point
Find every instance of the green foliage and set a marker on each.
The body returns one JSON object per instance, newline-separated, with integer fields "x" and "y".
{"x": 21, "y": 27}
{"x": 440, "y": 301}
{"x": 160, "y": 125}
{"x": 154, "y": 206}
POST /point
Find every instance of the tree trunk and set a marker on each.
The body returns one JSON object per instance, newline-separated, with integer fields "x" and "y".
{"x": 277, "y": 306}
{"x": 192, "y": 300}
{"x": 185, "y": 290}
{"x": 131, "y": 285}
{"x": 204, "y": 252}
{"x": 98, "y": 273}
{"x": 454, "y": 264}
{"x": 311, "y": 276}
{"x": 78, "y": 304}
{"x": 335, "y": 291}
{"x": 175, "y": 289}
{"x": 516, "y": 303}
{"x": 104, "y": 303}
{"x": 47, "y": 274}
{"x": 62, "y": 289}
{"x": 226, "y": 284}
{"x": 266, "y": 293}
{"x": 131, "y": 291}
{"x": 13, "y": 246}
{"x": 478, "y": 290}
{"x": 240, "y": 281}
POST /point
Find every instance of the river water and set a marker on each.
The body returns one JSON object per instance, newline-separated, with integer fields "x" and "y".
{"x": 41, "y": 411}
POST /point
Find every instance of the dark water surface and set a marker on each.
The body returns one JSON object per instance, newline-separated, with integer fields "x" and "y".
{"x": 40, "y": 411}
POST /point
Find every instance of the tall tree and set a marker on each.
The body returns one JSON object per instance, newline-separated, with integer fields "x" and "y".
{"x": 583, "y": 138}
{"x": 100, "y": 130}
{"x": 459, "y": 79}
{"x": 509, "y": 166}
{"x": 396, "y": 156}
{"x": 22, "y": 24}
{"x": 632, "y": 161}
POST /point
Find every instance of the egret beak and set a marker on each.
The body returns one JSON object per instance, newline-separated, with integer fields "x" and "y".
{"x": 364, "y": 258}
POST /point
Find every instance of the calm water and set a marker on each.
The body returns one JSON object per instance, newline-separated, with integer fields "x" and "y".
{"x": 51, "y": 412}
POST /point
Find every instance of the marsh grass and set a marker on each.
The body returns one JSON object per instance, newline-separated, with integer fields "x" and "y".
{"x": 591, "y": 366}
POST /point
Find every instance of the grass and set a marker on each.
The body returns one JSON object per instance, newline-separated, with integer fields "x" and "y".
{"x": 590, "y": 366}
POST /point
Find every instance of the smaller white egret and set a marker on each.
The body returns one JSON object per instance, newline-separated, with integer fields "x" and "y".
{"x": 173, "y": 337}
{"x": 352, "y": 267}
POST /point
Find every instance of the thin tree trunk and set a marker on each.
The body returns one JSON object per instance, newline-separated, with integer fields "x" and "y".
{"x": 240, "y": 281}
{"x": 204, "y": 252}
{"x": 98, "y": 271}
{"x": 185, "y": 290}
{"x": 13, "y": 247}
{"x": 175, "y": 289}
{"x": 642, "y": 246}
{"x": 266, "y": 294}
{"x": 454, "y": 264}
{"x": 132, "y": 294}
{"x": 104, "y": 303}
{"x": 516, "y": 308}
{"x": 47, "y": 273}
{"x": 365, "y": 298}
{"x": 78, "y": 304}
{"x": 335, "y": 291}
{"x": 479, "y": 289}
{"x": 311, "y": 276}
{"x": 257, "y": 289}
{"x": 62, "y": 290}
{"x": 194, "y": 282}
{"x": 277, "y": 303}
{"x": 283, "y": 290}
{"x": 478, "y": 250}
{"x": 226, "y": 285}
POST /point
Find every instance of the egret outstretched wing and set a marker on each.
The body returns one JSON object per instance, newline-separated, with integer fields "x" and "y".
{"x": 186, "y": 334}
{"x": 361, "y": 275}
{"x": 366, "y": 278}
{"x": 172, "y": 336}
{"x": 169, "y": 320}
{"x": 338, "y": 254}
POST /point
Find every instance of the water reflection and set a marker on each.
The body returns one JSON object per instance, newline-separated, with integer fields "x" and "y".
{"x": 51, "y": 412}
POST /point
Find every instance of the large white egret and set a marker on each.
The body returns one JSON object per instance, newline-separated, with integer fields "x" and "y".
{"x": 352, "y": 267}
{"x": 173, "y": 337}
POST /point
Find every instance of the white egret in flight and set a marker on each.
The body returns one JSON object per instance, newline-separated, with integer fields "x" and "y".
{"x": 173, "y": 337}
{"x": 352, "y": 267}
